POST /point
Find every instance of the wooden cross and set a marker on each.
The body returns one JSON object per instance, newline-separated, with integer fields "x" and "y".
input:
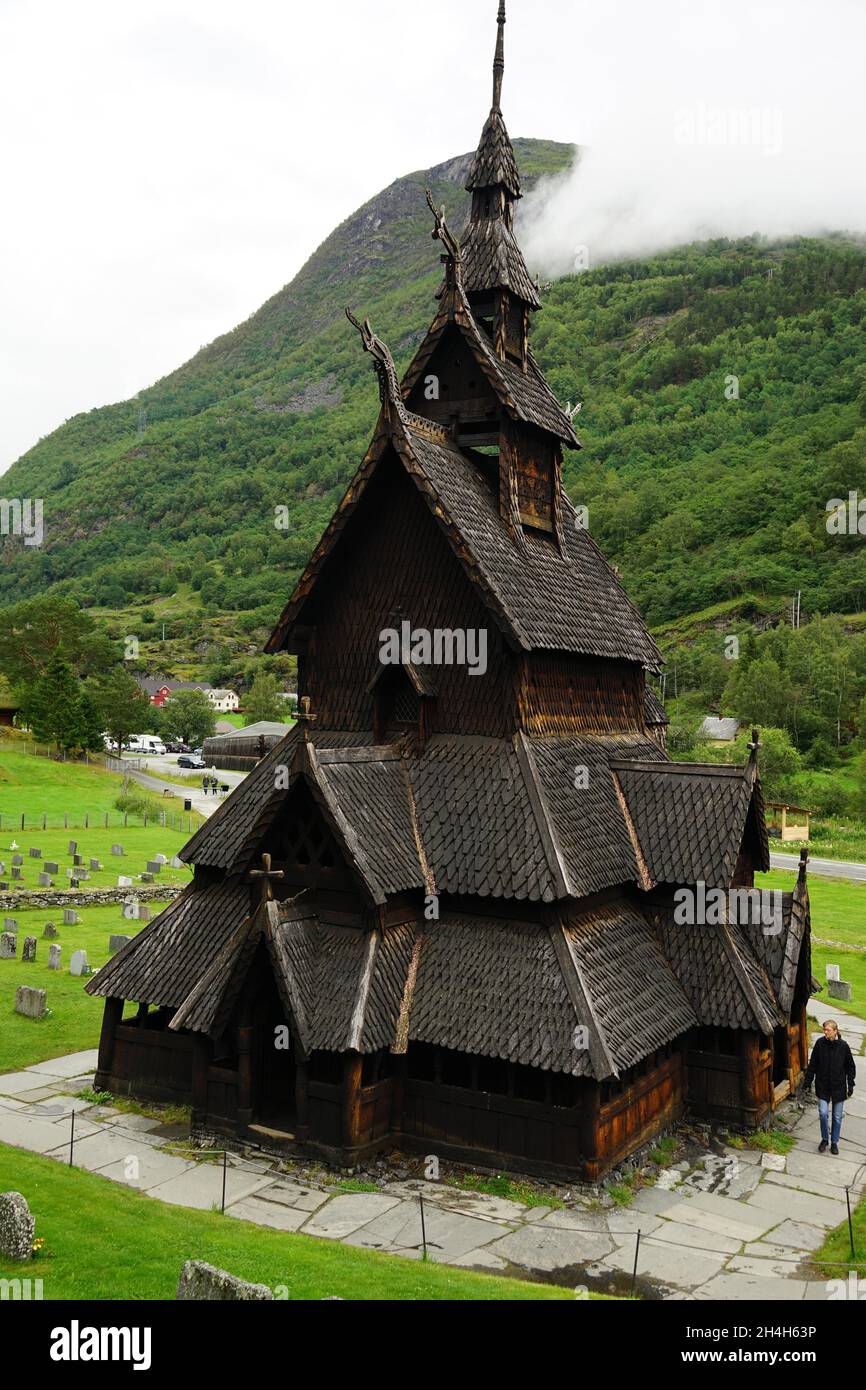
{"x": 305, "y": 717}
{"x": 266, "y": 874}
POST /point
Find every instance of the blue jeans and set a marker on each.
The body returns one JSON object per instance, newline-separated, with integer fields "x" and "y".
{"x": 824, "y": 1116}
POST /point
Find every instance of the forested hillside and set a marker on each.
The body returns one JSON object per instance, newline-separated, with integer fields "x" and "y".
{"x": 724, "y": 404}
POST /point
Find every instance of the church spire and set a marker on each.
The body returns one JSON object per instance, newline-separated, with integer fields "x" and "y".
{"x": 499, "y": 58}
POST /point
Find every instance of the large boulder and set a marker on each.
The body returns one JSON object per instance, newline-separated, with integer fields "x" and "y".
{"x": 200, "y": 1282}
{"x": 16, "y": 1227}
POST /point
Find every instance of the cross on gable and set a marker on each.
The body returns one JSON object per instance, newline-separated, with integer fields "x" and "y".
{"x": 266, "y": 874}
{"x": 305, "y": 716}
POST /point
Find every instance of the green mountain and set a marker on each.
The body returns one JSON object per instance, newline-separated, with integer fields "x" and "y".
{"x": 724, "y": 404}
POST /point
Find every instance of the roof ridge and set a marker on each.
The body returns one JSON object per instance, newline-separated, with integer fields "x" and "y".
{"x": 733, "y": 951}
{"x": 538, "y": 801}
{"x": 602, "y": 1060}
{"x": 330, "y": 805}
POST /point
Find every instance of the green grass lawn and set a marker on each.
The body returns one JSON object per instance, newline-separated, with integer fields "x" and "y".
{"x": 838, "y": 914}
{"x": 139, "y": 843}
{"x": 38, "y": 787}
{"x": 103, "y": 1241}
{"x": 75, "y": 1016}
{"x": 838, "y": 904}
{"x": 837, "y": 1247}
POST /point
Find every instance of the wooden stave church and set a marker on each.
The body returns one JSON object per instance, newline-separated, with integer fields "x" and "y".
{"x": 465, "y": 920}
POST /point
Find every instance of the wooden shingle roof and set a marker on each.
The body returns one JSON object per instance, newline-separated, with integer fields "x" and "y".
{"x": 492, "y": 259}
{"x": 494, "y": 163}
{"x": 690, "y": 818}
{"x": 167, "y": 959}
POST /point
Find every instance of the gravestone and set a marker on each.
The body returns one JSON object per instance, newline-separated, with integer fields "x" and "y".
{"x": 2, "y": 866}
{"x": 834, "y": 972}
{"x": 78, "y": 963}
{"x": 143, "y": 913}
{"x": 124, "y": 882}
{"x": 17, "y": 1227}
{"x": 10, "y": 923}
{"x": 4, "y": 886}
{"x": 95, "y": 864}
{"x": 839, "y": 989}
{"x": 161, "y": 858}
{"x": 17, "y": 859}
{"x": 154, "y": 866}
{"x": 49, "y": 931}
{"x": 46, "y": 881}
{"x": 35, "y": 853}
{"x": 73, "y": 883}
{"x": 78, "y": 860}
{"x": 28, "y": 952}
{"x": 177, "y": 863}
{"x": 147, "y": 878}
{"x": 73, "y": 847}
{"x": 70, "y": 916}
{"x": 30, "y": 1002}
{"x": 117, "y": 849}
{"x": 200, "y": 1282}
{"x": 54, "y": 957}
{"x": 17, "y": 873}
{"x": 51, "y": 867}
{"x": 83, "y": 875}
{"x": 116, "y": 943}
{"x": 70, "y": 873}
{"x": 8, "y": 944}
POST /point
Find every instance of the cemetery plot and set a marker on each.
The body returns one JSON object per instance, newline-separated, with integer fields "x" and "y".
{"x": 151, "y": 851}
{"x": 74, "y": 1018}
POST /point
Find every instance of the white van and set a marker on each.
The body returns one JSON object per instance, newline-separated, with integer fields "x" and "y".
{"x": 150, "y": 743}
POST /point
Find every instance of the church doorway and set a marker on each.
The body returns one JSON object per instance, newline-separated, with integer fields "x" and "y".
{"x": 274, "y": 1072}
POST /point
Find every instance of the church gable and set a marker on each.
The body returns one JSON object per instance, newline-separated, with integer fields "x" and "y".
{"x": 393, "y": 566}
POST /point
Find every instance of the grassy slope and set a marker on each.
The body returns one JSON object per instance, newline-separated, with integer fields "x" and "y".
{"x": 82, "y": 1217}
{"x": 35, "y": 786}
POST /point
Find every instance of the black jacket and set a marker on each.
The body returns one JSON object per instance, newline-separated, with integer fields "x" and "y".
{"x": 831, "y": 1067}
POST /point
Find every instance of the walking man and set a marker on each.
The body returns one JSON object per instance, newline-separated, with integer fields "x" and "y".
{"x": 832, "y": 1068}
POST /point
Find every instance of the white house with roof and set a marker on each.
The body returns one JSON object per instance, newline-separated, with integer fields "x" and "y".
{"x": 224, "y": 701}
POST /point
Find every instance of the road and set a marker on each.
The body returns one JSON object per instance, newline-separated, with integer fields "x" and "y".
{"x": 824, "y": 868}
{"x": 204, "y": 804}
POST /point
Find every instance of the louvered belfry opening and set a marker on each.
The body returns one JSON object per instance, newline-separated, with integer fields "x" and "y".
{"x": 461, "y": 880}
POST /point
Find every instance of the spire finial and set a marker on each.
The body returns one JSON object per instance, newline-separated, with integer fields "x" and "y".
{"x": 499, "y": 59}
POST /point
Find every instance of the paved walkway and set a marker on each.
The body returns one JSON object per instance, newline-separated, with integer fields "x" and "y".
{"x": 824, "y": 868}
{"x": 732, "y": 1226}
{"x": 204, "y": 803}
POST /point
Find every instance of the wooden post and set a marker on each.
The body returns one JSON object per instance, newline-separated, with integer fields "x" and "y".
{"x": 111, "y": 1017}
{"x": 245, "y": 1073}
{"x": 302, "y": 1100}
{"x": 750, "y": 1074}
{"x": 590, "y": 1130}
{"x": 201, "y": 1048}
{"x": 398, "y": 1095}
{"x": 352, "y": 1099}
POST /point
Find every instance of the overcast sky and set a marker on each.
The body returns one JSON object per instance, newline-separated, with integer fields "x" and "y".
{"x": 167, "y": 166}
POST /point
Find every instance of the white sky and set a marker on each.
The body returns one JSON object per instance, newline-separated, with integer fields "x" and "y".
{"x": 167, "y": 166}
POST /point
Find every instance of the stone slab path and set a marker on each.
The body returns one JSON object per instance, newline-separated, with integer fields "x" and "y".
{"x": 737, "y": 1225}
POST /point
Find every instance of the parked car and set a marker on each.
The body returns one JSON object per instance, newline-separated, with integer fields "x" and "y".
{"x": 189, "y": 760}
{"x": 177, "y": 748}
